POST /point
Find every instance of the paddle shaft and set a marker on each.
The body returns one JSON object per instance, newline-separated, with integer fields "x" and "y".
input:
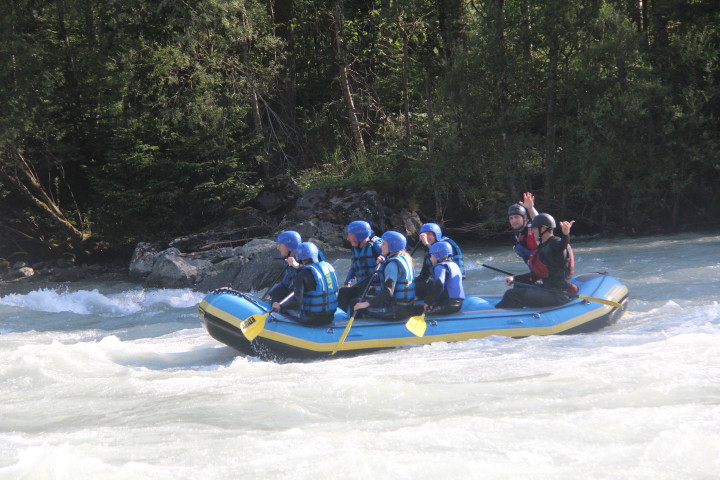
{"x": 352, "y": 318}
{"x": 496, "y": 269}
{"x": 532, "y": 285}
{"x": 415, "y": 247}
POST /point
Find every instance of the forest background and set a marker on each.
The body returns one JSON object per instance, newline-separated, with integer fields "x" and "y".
{"x": 129, "y": 120}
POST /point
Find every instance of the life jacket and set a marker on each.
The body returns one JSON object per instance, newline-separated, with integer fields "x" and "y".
{"x": 558, "y": 278}
{"x": 525, "y": 244}
{"x": 405, "y": 285}
{"x": 457, "y": 256}
{"x": 364, "y": 259}
{"x": 324, "y": 297}
{"x": 453, "y": 281}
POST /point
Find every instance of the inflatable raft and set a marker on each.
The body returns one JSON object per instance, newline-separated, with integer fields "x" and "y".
{"x": 279, "y": 336}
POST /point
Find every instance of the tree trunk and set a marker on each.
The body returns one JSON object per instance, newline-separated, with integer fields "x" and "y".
{"x": 405, "y": 76}
{"x": 283, "y": 17}
{"x": 253, "y": 95}
{"x": 344, "y": 68}
{"x": 21, "y": 175}
{"x": 550, "y": 115}
{"x": 496, "y": 19}
{"x": 439, "y": 208}
{"x": 660, "y": 40}
{"x": 449, "y": 11}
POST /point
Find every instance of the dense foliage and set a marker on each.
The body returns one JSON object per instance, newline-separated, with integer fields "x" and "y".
{"x": 128, "y": 120}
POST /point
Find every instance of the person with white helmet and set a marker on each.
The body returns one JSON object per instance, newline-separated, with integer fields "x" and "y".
{"x": 519, "y": 215}
{"x": 314, "y": 288}
{"x": 551, "y": 268}
{"x": 430, "y": 233}
{"x": 366, "y": 248}
{"x": 395, "y": 295}
{"x": 446, "y": 291}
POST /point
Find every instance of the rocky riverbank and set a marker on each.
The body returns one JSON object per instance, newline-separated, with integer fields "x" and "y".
{"x": 241, "y": 251}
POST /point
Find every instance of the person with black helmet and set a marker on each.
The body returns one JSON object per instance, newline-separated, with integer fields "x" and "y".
{"x": 394, "y": 297}
{"x": 446, "y": 293}
{"x": 551, "y": 268}
{"x": 366, "y": 248}
{"x": 314, "y": 288}
{"x": 519, "y": 215}
{"x": 430, "y": 233}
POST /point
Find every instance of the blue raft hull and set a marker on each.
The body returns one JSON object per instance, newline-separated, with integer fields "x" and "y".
{"x": 221, "y": 313}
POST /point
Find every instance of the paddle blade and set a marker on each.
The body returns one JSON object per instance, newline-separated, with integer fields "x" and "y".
{"x": 602, "y": 300}
{"x": 253, "y": 325}
{"x": 417, "y": 325}
{"x": 344, "y": 334}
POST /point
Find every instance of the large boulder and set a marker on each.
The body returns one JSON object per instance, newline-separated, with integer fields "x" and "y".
{"x": 341, "y": 206}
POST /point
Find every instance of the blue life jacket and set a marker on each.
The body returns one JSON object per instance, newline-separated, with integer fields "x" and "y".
{"x": 457, "y": 256}
{"x": 405, "y": 285}
{"x": 453, "y": 280}
{"x": 364, "y": 259}
{"x": 324, "y": 297}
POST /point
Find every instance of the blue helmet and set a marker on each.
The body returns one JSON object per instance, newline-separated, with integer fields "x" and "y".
{"x": 441, "y": 250}
{"x": 290, "y": 239}
{"x": 396, "y": 241}
{"x": 306, "y": 250}
{"x": 517, "y": 209}
{"x": 434, "y": 228}
{"x": 360, "y": 228}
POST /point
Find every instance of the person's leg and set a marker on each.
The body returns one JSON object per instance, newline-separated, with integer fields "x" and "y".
{"x": 513, "y": 298}
{"x": 541, "y": 297}
{"x": 347, "y": 297}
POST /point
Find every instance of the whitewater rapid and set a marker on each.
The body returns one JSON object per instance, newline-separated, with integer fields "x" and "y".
{"x": 116, "y": 381}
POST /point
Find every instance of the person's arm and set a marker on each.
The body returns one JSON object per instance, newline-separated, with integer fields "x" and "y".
{"x": 529, "y": 204}
{"x": 385, "y": 295}
{"x": 300, "y": 282}
{"x": 351, "y": 273}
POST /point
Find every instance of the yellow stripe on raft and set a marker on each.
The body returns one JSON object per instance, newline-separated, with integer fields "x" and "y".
{"x": 221, "y": 314}
{"x": 350, "y": 344}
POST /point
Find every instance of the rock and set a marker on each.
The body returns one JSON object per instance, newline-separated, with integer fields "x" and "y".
{"x": 143, "y": 259}
{"x": 65, "y": 261}
{"x": 341, "y": 206}
{"x": 279, "y": 193}
{"x": 171, "y": 271}
{"x": 241, "y": 227}
{"x": 23, "y": 272}
{"x": 406, "y": 222}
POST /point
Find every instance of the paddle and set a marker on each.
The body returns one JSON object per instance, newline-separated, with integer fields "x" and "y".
{"x": 352, "y": 319}
{"x": 584, "y": 297}
{"x": 415, "y": 247}
{"x": 417, "y": 325}
{"x": 255, "y": 324}
{"x": 278, "y": 277}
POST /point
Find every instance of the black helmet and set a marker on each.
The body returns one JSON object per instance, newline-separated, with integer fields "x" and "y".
{"x": 543, "y": 220}
{"x": 517, "y": 209}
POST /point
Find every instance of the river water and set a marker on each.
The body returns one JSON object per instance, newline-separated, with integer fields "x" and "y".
{"x": 114, "y": 381}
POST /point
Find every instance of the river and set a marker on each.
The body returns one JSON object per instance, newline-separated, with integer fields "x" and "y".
{"x": 112, "y": 381}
